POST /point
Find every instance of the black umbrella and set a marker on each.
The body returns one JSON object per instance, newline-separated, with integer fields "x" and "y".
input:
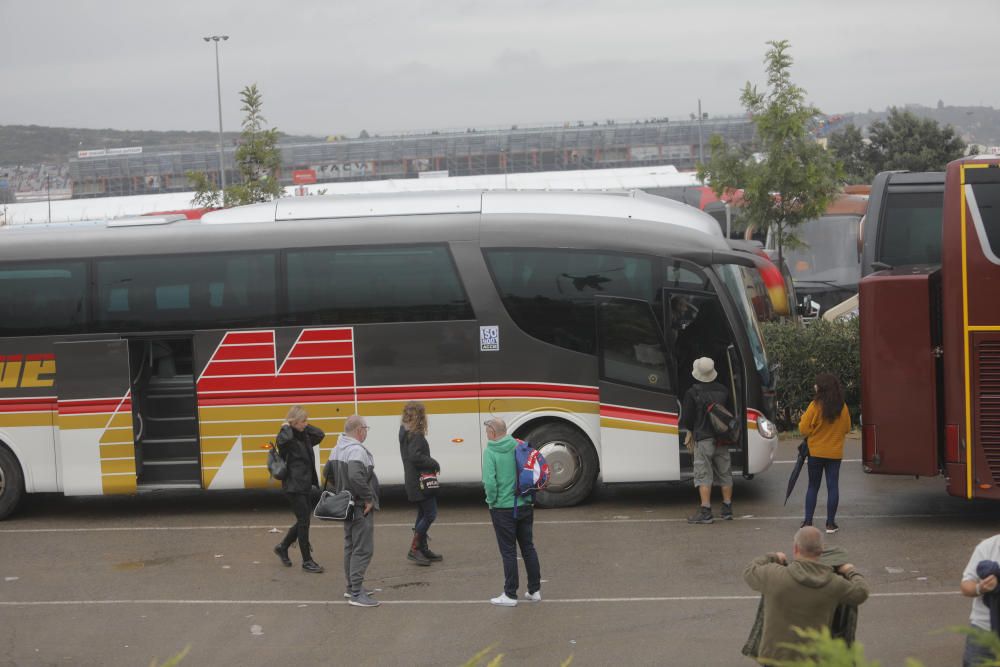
{"x": 799, "y": 460}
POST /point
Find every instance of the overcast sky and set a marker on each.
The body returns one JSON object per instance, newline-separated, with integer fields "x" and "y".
{"x": 336, "y": 67}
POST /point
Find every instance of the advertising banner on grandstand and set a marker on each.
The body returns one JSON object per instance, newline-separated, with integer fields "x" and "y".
{"x": 303, "y": 176}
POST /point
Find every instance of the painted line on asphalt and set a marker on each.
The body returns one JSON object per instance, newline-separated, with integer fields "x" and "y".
{"x": 614, "y": 600}
{"x": 454, "y": 524}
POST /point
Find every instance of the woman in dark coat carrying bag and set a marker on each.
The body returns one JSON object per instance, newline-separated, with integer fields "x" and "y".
{"x": 416, "y": 455}
{"x": 295, "y": 443}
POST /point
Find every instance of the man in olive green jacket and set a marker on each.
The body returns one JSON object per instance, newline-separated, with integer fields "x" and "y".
{"x": 803, "y": 593}
{"x": 512, "y": 528}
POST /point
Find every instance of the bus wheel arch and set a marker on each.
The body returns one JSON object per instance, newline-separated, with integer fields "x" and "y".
{"x": 571, "y": 456}
{"x": 11, "y": 481}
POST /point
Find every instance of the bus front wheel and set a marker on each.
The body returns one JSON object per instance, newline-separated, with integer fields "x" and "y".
{"x": 11, "y": 483}
{"x": 572, "y": 464}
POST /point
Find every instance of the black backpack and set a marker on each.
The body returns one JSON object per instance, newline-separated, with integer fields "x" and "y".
{"x": 719, "y": 420}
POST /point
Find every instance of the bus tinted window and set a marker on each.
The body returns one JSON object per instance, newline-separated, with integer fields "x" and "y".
{"x": 679, "y": 274}
{"x": 43, "y": 298}
{"x": 988, "y": 200}
{"x": 197, "y": 291}
{"x": 911, "y": 228}
{"x": 631, "y": 348}
{"x": 550, "y": 293}
{"x": 367, "y": 285}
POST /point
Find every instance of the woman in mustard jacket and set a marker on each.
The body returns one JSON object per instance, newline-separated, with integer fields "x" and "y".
{"x": 825, "y": 423}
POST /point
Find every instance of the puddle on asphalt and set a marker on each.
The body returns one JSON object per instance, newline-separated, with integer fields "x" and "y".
{"x": 129, "y": 565}
{"x": 410, "y": 584}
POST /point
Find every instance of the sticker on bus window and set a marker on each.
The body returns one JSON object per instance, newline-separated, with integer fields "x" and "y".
{"x": 489, "y": 339}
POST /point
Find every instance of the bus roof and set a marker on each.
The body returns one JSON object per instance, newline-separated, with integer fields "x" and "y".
{"x": 634, "y": 204}
{"x": 494, "y": 218}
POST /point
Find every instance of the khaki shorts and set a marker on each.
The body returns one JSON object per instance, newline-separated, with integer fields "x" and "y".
{"x": 712, "y": 466}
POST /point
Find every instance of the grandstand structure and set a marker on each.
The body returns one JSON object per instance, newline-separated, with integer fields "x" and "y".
{"x": 472, "y": 152}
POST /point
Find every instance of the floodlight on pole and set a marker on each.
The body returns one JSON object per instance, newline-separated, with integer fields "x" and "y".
{"x": 218, "y": 89}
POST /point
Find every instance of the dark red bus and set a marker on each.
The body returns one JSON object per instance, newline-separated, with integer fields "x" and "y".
{"x": 930, "y": 348}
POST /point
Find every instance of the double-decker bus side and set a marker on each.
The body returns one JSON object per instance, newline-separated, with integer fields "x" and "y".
{"x": 164, "y": 354}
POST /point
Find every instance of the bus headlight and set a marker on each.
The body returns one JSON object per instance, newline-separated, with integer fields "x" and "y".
{"x": 766, "y": 427}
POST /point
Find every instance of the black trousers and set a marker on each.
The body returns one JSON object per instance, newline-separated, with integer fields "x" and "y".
{"x": 302, "y": 508}
{"x": 513, "y": 532}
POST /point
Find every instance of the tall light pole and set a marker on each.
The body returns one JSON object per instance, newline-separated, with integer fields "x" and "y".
{"x": 218, "y": 88}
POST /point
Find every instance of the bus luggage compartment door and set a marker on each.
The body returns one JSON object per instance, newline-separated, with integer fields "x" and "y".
{"x": 96, "y": 445}
{"x": 638, "y": 408}
{"x": 899, "y": 383}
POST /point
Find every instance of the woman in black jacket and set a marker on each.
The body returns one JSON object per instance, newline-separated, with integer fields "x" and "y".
{"x": 295, "y": 443}
{"x": 416, "y": 455}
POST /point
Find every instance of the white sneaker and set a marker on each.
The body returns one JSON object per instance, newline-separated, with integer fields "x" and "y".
{"x": 534, "y": 597}
{"x": 503, "y": 601}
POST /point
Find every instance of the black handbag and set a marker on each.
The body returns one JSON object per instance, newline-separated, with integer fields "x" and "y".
{"x": 429, "y": 484}
{"x": 275, "y": 464}
{"x": 337, "y": 506}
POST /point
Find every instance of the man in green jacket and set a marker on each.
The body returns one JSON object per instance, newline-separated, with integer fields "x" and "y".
{"x": 512, "y": 528}
{"x": 803, "y": 593}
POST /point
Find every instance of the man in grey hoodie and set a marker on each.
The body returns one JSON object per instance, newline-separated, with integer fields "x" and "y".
{"x": 352, "y": 467}
{"x": 802, "y": 593}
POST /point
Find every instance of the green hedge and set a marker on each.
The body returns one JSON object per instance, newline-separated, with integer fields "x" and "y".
{"x": 801, "y": 351}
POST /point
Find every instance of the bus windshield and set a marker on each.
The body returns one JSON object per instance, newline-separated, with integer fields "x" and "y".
{"x": 739, "y": 279}
{"x": 828, "y": 253}
{"x": 911, "y": 229}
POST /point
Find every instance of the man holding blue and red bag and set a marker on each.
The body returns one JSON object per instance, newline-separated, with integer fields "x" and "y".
{"x": 512, "y": 514}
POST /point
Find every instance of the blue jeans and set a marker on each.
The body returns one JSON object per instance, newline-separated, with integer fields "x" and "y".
{"x": 427, "y": 511}
{"x": 513, "y": 532}
{"x": 817, "y": 466}
{"x": 975, "y": 654}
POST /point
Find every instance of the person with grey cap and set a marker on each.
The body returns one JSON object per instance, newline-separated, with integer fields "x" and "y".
{"x": 712, "y": 466}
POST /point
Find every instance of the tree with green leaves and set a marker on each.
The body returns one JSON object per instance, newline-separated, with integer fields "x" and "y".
{"x": 258, "y": 160}
{"x": 786, "y": 176}
{"x": 854, "y": 153}
{"x": 904, "y": 141}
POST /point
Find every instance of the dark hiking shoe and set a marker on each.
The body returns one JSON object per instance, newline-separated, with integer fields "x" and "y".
{"x": 806, "y": 523}
{"x": 430, "y": 555}
{"x": 313, "y": 567}
{"x": 282, "y": 552}
{"x": 832, "y": 528}
{"x": 417, "y": 556}
{"x": 703, "y": 515}
{"x": 727, "y": 512}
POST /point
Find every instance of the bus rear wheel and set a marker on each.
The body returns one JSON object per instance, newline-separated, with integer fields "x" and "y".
{"x": 572, "y": 464}
{"x": 11, "y": 483}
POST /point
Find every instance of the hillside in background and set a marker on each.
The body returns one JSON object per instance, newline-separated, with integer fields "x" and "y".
{"x": 33, "y": 144}
{"x": 976, "y": 125}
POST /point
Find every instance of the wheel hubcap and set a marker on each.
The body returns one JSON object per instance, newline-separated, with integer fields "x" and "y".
{"x": 564, "y": 465}
{"x": 3, "y": 481}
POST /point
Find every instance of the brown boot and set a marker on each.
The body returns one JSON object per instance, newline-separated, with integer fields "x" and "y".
{"x": 415, "y": 554}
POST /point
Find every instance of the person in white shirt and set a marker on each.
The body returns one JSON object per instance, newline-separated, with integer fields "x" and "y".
{"x": 974, "y": 587}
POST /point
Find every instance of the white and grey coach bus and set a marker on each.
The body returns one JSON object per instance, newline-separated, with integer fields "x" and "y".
{"x": 155, "y": 353}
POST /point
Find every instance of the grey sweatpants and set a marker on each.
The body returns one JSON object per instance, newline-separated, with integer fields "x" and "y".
{"x": 359, "y": 545}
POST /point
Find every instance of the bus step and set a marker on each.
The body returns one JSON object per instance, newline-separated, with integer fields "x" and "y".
{"x": 172, "y": 381}
{"x": 170, "y": 462}
{"x": 143, "y": 487}
{"x": 171, "y": 471}
{"x": 168, "y": 441}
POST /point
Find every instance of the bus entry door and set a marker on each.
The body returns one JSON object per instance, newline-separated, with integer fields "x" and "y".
{"x": 638, "y": 410}
{"x": 96, "y": 445}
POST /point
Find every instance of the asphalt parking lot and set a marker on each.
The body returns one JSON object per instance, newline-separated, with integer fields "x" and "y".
{"x": 121, "y": 581}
